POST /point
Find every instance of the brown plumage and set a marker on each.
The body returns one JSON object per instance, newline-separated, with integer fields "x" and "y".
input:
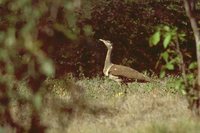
{"x": 119, "y": 73}
{"x": 127, "y": 74}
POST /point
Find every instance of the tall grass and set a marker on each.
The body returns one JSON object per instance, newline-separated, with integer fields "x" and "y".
{"x": 99, "y": 105}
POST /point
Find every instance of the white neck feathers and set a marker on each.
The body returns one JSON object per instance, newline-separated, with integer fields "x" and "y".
{"x": 107, "y": 64}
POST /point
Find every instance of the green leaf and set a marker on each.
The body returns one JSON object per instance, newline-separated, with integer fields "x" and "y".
{"x": 190, "y": 76}
{"x": 37, "y": 101}
{"x": 69, "y": 33}
{"x": 167, "y": 40}
{"x": 166, "y": 28}
{"x": 193, "y": 65}
{"x": 165, "y": 56}
{"x": 183, "y": 92}
{"x": 175, "y": 60}
{"x": 169, "y": 66}
{"x": 154, "y": 39}
{"x": 88, "y": 30}
{"x": 181, "y": 36}
{"x": 162, "y": 74}
{"x": 47, "y": 68}
{"x": 178, "y": 84}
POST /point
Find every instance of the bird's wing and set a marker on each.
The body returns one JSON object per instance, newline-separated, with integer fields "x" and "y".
{"x": 127, "y": 72}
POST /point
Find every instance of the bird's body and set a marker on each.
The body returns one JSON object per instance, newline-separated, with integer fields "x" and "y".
{"x": 120, "y": 73}
{"x": 127, "y": 74}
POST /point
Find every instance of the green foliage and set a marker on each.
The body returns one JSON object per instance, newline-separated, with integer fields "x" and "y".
{"x": 168, "y": 35}
{"x": 165, "y": 56}
{"x": 24, "y": 58}
{"x": 128, "y": 24}
{"x": 88, "y": 30}
{"x": 37, "y": 101}
{"x": 179, "y": 85}
{"x": 162, "y": 74}
{"x": 47, "y": 67}
{"x": 172, "y": 56}
{"x": 167, "y": 40}
{"x": 169, "y": 66}
{"x": 193, "y": 65}
{"x": 155, "y": 38}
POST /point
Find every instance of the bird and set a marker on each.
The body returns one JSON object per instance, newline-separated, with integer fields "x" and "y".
{"x": 119, "y": 73}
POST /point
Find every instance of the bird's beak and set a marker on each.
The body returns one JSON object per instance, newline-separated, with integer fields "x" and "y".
{"x": 101, "y": 40}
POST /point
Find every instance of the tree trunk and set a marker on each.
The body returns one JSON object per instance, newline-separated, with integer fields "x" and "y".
{"x": 194, "y": 92}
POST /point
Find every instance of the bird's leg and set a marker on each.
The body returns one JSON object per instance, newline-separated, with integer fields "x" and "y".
{"x": 125, "y": 85}
{"x": 126, "y": 88}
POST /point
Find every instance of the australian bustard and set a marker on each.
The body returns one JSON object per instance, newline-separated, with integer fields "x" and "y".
{"x": 119, "y": 73}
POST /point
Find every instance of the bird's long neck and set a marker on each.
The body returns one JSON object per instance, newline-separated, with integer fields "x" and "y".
{"x": 107, "y": 64}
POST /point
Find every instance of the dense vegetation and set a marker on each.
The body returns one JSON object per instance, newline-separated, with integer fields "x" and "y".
{"x": 128, "y": 26}
{"x": 43, "y": 41}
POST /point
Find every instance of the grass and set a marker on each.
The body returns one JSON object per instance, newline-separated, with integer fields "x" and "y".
{"x": 99, "y": 105}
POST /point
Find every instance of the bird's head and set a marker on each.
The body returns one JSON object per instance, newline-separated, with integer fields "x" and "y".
{"x": 107, "y": 43}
